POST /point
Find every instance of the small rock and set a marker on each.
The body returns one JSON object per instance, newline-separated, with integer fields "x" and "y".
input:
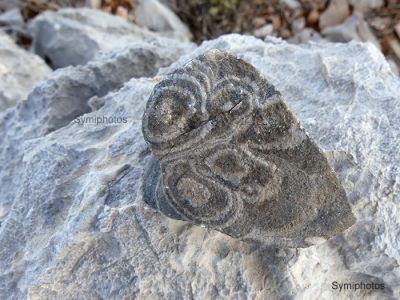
{"x": 336, "y": 13}
{"x": 276, "y": 22}
{"x": 8, "y": 4}
{"x": 380, "y": 23}
{"x": 94, "y": 3}
{"x": 122, "y": 12}
{"x": 13, "y": 24}
{"x": 264, "y": 31}
{"x": 313, "y": 17}
{"x": 354, "y": 28}
{"x": 366, "y": 34}
{"x": 364, "y": 6}
{"x": 394, "y": 44}
{"x": 159, "y": 18}
{"x": 298, "y": 25}
{"x": 319, "y": 4}
{"x": 6, "y": 41}
{"x": 393, "y": 66}
{"x": 304, "y": 36}
{"x": 258, "y": 22}
{"x": 397, "y": 29}
{"x": 12, "y": 18}
{"x": 291, "y": 4}
{"x": 285, "y": 33}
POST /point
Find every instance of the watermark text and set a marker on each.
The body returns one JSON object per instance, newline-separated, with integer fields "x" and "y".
{"x": 342, "y": 286}
{"x": 106, "y": 120}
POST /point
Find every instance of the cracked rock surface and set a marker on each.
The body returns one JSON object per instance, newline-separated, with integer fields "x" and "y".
{"x": 65, "y": 95}
{"x": 232, "y": 157}
{"x": 75, "y": 225}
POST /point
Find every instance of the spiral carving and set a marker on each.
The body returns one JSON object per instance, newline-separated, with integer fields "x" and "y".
{"x": 229, "y": 155}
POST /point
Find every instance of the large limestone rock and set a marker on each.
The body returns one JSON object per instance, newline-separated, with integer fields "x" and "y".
{"x": 76, "y": 36}
{"x": 65, "y": 95}
{"x": 78, "y": 227}
{"x": 19, "y": 72}
{"x": 232, "y": 157}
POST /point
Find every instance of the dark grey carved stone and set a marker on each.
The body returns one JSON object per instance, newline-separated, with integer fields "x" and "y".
{"x": 229, "y": 155}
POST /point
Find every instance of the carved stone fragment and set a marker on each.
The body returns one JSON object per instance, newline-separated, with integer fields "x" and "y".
{"x": 229, "y": 155}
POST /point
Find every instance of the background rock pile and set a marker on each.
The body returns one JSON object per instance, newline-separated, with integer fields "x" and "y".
{"x": 298, "y": 21}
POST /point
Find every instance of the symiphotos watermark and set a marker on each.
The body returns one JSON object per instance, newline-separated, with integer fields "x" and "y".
{"x": 354, "y": 286}
{"x": 105, "y": 120}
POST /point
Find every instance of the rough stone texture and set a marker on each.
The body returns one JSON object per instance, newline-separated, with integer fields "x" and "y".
{"x": 66, "y": 94}
{"x": 76, "y": 36}
{"x": 232, "y": 157}
{"x": 79, "y": 228}
{"x": 19, "y": 72}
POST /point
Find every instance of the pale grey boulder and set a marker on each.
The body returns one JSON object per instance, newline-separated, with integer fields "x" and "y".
{"x": 65, "y": 95}
{"x": 79, "y": 227}
{"x": 20, "y": 70}
{"x": 76, "y": 36}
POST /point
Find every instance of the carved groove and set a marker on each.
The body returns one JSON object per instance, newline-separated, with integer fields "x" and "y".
{"x": 231, "y": 156}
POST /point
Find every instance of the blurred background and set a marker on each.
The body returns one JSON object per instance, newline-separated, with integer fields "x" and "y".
{"x": 297, "y": 21}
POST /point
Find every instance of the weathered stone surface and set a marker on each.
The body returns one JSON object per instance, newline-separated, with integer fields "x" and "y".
{"x": 65, "y": 95}
{"x": 79, "y": 227}
{"x": 19, "y": 72}
{"x": 76, "y": 36}
{"x": 235, "y": 159}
